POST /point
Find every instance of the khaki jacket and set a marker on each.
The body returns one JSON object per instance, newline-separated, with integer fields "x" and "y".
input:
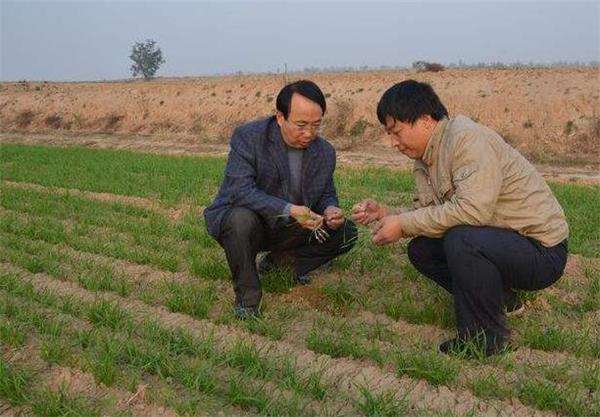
{"x": 470, "y": 176}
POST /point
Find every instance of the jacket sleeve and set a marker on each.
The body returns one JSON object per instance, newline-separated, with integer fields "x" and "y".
{"x": 477, "y": 180}
{"x": 392, "y": 211}
{"x": 329, "y": 195}
{"x": 241, "y": 174}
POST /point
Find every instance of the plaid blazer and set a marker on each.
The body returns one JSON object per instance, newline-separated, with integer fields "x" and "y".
{"x": 257, "y": 175}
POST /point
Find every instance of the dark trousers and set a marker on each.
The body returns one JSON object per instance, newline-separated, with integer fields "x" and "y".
{"x": 244, "y": 234}
{"x": 479, "y": 265}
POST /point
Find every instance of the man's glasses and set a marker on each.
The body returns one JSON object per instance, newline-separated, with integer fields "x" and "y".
{"x": 305, "y": 127}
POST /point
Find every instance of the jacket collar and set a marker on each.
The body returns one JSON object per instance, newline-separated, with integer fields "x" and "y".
{"x": 277, "y": 149}
{"x": 433, "y": 145}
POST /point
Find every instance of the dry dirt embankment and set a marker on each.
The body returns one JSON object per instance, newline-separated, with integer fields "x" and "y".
{"x": 551, "y": 115}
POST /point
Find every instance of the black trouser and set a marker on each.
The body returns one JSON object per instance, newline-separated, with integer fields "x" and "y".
{"x": 244, "y": 234}
{"x": 478, "y": 265}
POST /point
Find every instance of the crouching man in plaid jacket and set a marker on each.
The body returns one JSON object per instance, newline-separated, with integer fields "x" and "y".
{"x": 278, "y": 195}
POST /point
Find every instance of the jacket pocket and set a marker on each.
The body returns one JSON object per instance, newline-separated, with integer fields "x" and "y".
{"x": 424, "y": 190}
{"x": 446, "y": 189}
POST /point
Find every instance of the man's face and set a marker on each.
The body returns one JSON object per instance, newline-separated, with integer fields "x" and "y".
{"x": 303, "y": 122}
{"x": 410, "y": 139}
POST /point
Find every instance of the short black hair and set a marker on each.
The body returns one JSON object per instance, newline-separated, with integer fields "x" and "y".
{"x": 305, "y": 88}
{"x": 408, "y": 101}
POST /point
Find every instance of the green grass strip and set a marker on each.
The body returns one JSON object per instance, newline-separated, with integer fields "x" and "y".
{"x": 173, "y": 180}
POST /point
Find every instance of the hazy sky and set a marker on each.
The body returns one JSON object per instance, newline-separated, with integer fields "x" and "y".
{"x": 91, "y": 40}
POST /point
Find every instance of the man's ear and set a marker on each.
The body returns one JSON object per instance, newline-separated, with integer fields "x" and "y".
{"x": 426, "y": 121}
{"x": 431, "y": 122}
{"x": 280, "y": 118}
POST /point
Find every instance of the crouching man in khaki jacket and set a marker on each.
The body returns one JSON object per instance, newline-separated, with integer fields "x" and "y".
{"x": 484, "y": 221}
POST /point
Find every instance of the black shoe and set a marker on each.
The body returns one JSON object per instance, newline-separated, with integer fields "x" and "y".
{"x": 327, "y": 266}
{"x": 452, "y": 346}
{"x": 303, "y": 279}
{"x": 246, "y": 312}
{"x": 513, "y": 306}
{"x": 475, "y": 347}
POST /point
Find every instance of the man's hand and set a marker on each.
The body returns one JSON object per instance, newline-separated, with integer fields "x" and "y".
{"x": 334, "y": 217}
{"x": 388, "y": 230}
{"x": 305, "y": 217}
{"x": 368, "y": 211}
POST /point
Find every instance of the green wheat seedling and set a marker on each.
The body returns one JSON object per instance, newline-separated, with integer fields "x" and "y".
{"x": 190, "y": 298}
{"x": 310, "y": 383}
{"x": 240, "y": 394}
{"x": 11, "y": 334}
{"x": 341, "y": 294}
{"x": 359, "y": 241}
{"x": 434, "y": 309}
{"x": 279, "y": 279}
{"x": 178, "y": 341}
{"x": 266, "y": 325}
{"x": 431, "y": 366}
{"x": 548, "y": 339}
{"x": 592, "y": 296}
{"x": 274, "y": 320}
{"x": 383, "y": 404}
{"x": 102, "y": 279}
{"x": 55, "y": 350}
{"x": 14, "y": 383}
{"x": 108, "y": 314}
{"x": 247, "y": 394}
{"x": 47, "y": 402}
{"x": 246, "y": 357}
{"x": 365, "y": 257}
{"x": 591, "y": 378}
{"x": 490, "y": 386}
{"x": 339, "y": 339}
{"x": 200, "y": 375}
{"x": 207, "y": 263}
{"x": 548, "y": 396}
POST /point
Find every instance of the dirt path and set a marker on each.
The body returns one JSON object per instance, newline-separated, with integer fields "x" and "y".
{"x": 375, "y": 154}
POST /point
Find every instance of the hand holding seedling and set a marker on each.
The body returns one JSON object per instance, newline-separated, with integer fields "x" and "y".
{"x": 334, "y": 217}
{"x": 307, "y": 218}
{"x": 388, "y": 230}
{"x": 368, "y": 211}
